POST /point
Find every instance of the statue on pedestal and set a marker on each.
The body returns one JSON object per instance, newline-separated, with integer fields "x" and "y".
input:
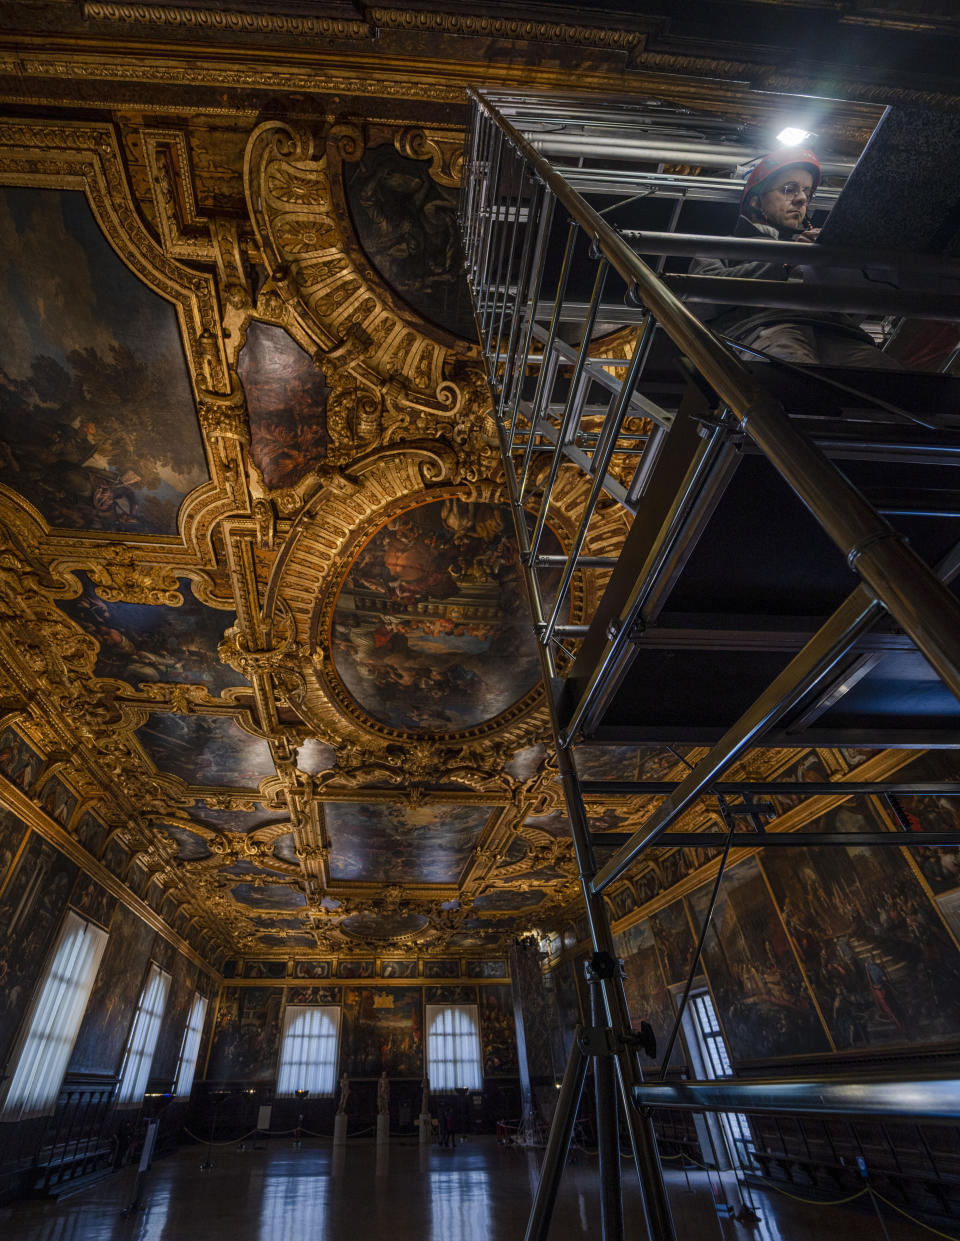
{"x": 383, "y": 1094}
{"x": 344, "y": 1094}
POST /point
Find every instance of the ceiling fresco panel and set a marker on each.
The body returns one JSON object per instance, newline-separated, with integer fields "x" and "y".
{"x": 98, "y": 427}
{"x": 206, "y": 750}
{"x": 398, "y": 843}
{"x": 430, "y": 630}
{"x": 286, "y": 402}
{"x": 145, "y": 643}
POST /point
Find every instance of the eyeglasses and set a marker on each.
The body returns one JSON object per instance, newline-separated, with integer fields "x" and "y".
{"x": 792, "y": 189}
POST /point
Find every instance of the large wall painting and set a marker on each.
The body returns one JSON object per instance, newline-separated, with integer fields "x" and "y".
{"x": 183, "y": 984}
{"x": 882, "y": 965}
{"x": 110, "y": 1009}
{"x": 19, "y": 762}
{"x": 498, "y": 1032}
{"x": 647, "y": 995}
{"x": 154, "y": 642}
{"x": 761, "y": 998}
{"x": 407, "y": 224}
{"x": 286, "y": 402}
{"x": 31, "y": 907}
{"x": 98, "y": 427}
{"x": 246, "y": 1035}
{"x": 382, "y": 1031}
{"x": 399, "y": 843}
{"x": 675, "y": 941}
{"x": 12, "y": 832}
{"x": 430, "y": 629}
{"x": 206, "y": 750}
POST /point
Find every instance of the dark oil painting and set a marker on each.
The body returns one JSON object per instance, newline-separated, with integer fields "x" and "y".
{"x": 760, "y": 995}
{"x": 12, "y": 832}
{"x": 647, "y": 996}
{"x": 451, "y": 993}
{"x": 242, "y": 821}
{"x": 881, "y": 963}
{"x": 382, "y": 1031}
{"x": 398, "y": 968}
{"x": 260, "y": 895}
{"x": 98, "y": 427}
{"x": 31, "y": 908}
{"x": 285, "y": 849}
{"x": 441, "y": 967}
{"x": 286, "y": 402}
{"x": 407, "y": 225}
{"x": 486, "y": 969}
{"x": 932, "y": 813}
{"x": 57, "y": 800}
{"x": 92, "y": 900}
{"x": 311, "y": 969}
{"x": 91, "y": 832}
{"x": 315, "y": 756}
{"x": 390, "y": 925}
{"x": 143, "y": 643}
{"x": 675, "y": 941}
{"x": 246, "y": 1035}
{"x": 113, "y": 1000}
{"x": 498, "y": 1033}
{"x": 191, "y": 847}
{"x": 183, "y": 983}
{"x": 206, "y": 750}
{"x": 396, "y": 843}
{"x": 355, "y": 969}
{"x": 431, "y": 629}
{"x": 19, "y": 762}
{"x": 313, "y": 995}
{"x": 506, "y": 899}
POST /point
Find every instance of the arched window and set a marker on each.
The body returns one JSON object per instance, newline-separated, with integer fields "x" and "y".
{"x": 453, "y": 1047}
{"x": 308, "y": 1053}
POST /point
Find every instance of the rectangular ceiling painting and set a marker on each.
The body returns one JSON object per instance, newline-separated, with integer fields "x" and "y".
{"x": 400, "y": 843}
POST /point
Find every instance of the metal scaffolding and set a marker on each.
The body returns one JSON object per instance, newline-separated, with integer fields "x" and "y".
{"x": 598, "y": 369}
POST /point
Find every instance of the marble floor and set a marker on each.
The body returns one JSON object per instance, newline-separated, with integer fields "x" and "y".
{"x": 477, "y": 1192}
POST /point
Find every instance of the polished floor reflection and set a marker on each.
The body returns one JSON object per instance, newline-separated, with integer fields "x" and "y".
{"x": 477, "y": 1192}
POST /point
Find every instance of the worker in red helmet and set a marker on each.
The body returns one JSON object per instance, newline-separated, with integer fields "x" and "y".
{"x": 774, "y": 204}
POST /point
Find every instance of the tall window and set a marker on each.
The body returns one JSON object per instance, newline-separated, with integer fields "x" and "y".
{"x": 143, "y": 1037}
{"x": 716, "y": 1063}
{"x": 53, "y": 1022}
{"x": 308, "y": 1053}
{"x": 453, "y": 1047}
{"x": 190, "y": 1048}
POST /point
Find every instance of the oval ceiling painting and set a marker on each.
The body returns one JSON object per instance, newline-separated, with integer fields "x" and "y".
{"x": 383, "y": 926}
{"x": 431, "y": 629}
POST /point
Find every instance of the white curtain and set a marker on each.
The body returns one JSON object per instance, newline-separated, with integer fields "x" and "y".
{"x": 190, "y": 1048}
{"x": 453, "y": 1047}
{"x": 308, "y": 1053}
{"x": 143, "y": 1037}
{"x": 53, "y": 1023}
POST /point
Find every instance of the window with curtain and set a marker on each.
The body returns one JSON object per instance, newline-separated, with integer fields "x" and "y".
{"x": 144, "y": 1033}
{"x": 190, "y": 1048}
{"x": 453, "y": 1047}
{"x": 43, "y": 1051}
{"x": 308, "y": 1050}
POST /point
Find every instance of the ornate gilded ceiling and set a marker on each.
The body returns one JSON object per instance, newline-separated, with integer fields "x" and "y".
{"x": 264, "y": 653}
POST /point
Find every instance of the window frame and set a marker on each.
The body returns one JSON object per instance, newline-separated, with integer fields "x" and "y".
{"x": 325, "y": 1065}
{"x": 190, "y": 1047}
{"x": 439, "y": 1077}
{"x": 142, "y": 1039}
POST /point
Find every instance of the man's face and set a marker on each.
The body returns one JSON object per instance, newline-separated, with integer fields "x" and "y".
{"x": 787, "y": 210}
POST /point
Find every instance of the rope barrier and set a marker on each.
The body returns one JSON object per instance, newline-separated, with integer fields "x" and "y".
{"x": 816, "y": 1202}
{"x": 913, "y": 1219}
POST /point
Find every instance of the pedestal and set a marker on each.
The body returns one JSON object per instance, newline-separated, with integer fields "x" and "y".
{"x": 340, "y": 1129}
{"x": 383, "y": 1128}
{"x": 425, "y": 1128}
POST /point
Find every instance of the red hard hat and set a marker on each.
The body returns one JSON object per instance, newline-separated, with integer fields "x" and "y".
{"x": 778, "y": 162}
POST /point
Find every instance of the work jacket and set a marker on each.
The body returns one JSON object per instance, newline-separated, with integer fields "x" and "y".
{"x": 743, "y": 322}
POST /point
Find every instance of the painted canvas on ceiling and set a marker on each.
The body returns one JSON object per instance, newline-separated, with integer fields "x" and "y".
{"x": 31, "y": 906}
{"x": 286, "y": 403}
{"x": 397, "y": 843}
{"x": 382, "y": 1031}
{"x": 407, "y": 224}
{"x": 265, "y": 895}
{"x": 19, "y": 761}
{"x": 110, "y": 1009}
{"x": 761, "y": 999}
{"x": 882, "y": 966}
{"x": 431, "y": 630}
{"x": 241, "y": 821}
{"x": 145, "y": 643}
{"x": 246, "y": 1035}
{"x": 206, "y": 750}
{"x": 191, "y": 847}
{"x": 98, "y": 427}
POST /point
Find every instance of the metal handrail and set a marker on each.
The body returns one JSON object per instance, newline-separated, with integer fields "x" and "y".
{"x": 894, "y": 573}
